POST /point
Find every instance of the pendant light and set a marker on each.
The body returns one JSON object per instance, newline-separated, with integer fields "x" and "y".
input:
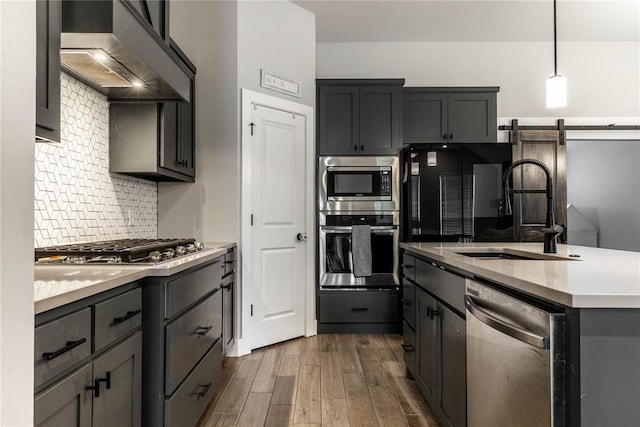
{"x": 556, "y": 84}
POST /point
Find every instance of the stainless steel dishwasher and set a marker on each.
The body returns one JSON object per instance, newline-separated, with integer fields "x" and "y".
{"x": 515, "y": 361}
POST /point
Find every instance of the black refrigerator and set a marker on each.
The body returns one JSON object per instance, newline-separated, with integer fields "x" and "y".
{"x": 453, "y": 192}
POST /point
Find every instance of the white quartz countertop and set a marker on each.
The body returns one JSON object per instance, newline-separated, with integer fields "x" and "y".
{"x": 57, "y": 285}
{"x": 599, "y": 278}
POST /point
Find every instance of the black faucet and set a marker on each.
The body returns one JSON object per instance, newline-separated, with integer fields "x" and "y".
{"x": 550, "y": 230}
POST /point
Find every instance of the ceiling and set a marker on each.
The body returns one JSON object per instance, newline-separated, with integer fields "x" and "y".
{"x": 473, "y": 20}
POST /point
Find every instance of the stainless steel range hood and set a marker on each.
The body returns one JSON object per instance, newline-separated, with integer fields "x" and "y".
{"x": 110, "y": 46}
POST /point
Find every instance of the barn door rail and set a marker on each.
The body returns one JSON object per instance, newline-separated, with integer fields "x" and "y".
{"x": 561, "y": 127}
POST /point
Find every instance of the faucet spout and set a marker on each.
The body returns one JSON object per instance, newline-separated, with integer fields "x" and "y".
{"x": 551, "y": 229}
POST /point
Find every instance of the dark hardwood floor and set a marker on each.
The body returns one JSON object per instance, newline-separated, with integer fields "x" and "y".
{"x": 326, "y": 380}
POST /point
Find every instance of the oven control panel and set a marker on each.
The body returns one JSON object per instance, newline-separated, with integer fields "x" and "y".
{"x": 346, "y": 220}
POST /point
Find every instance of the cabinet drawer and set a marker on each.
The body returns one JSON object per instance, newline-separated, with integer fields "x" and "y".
{"x": 61, "y": 344}
{"x": 409, "y": 347}
{"x": 116, "y": 317}
{"x": 409, "y": 303}
{"x": 359, "y": 307}
{"x": 408, "y": 266}
{"x": 229, "y": 262}
{"x": 184, "y": 291}
{"x": 189, "y": 337}
{"x": 445, "y": 285}
{"x": 185, "y": 407}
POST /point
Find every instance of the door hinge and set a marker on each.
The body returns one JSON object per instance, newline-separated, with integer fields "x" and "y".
{"x": 251, "y": 219}
{"x": 251, "y": 125}
{"x": 252, "y": 309}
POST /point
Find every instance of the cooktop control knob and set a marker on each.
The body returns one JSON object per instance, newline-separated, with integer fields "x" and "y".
{"x": 199, "y": 246}
{"x": 155, "y": 256}
{"x": 180, "y": 250}
{"x": 191, "y": 248}
{"x": 168, "y": 253}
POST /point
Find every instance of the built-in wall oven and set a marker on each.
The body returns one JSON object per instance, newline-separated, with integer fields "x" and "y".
{"x": 355, "y": 191}
{"x": 335, "y": 250}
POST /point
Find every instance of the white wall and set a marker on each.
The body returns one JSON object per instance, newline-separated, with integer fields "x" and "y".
{"x": 17, "y": 131}
{"x": 279, "y": 37}
{"x": 230, "y": 42}
{"x": 603, "y": 76}
{"x": 207, "y": 209}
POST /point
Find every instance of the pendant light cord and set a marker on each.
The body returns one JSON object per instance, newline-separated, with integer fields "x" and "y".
{"x": 555, "y": 42}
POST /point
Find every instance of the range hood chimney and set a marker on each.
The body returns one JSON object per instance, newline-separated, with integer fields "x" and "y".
{"x": 109, "y": 45}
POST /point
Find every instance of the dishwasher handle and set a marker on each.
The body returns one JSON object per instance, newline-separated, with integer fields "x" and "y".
{"x": 513, "y": 331}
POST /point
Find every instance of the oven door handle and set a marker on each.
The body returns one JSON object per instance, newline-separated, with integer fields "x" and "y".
{"x": 348, "y": 228}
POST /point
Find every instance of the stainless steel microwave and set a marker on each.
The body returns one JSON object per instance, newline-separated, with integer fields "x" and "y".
{"x": 357, "y": 183}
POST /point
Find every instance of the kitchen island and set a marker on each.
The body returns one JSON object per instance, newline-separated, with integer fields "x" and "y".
{"x": 596, "y": 291}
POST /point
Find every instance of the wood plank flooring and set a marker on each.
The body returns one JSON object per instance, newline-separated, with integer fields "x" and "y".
{"x": 327, "y": 380}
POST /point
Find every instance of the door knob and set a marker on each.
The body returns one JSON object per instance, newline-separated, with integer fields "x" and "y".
{"x": 302, "y": 237}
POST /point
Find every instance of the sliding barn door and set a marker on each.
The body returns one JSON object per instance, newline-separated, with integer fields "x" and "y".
{"x": 530, "y": 209}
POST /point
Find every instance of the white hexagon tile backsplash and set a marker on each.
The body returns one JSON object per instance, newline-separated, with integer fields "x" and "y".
{"x": 76, "y": 198}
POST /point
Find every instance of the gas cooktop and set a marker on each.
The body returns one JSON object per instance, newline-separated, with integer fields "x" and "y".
{"x": 127, "y": 251}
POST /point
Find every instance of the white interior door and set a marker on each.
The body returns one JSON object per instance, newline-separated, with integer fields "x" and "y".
{"x": 278, "y": 209}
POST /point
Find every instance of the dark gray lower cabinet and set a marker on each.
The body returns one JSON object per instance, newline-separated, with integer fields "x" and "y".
{"x": 453, "y": 385}
{"x": 426, "y": 331}
{"x": 439, "y": 362}
{"x": 79, "y": 387}
{"x": 120, "y": 371}
{"x": 66, "y": 403}
{"x": 227, "y": 312}
{"x": 358, "y": 312}
{"x": 182, "y": 328}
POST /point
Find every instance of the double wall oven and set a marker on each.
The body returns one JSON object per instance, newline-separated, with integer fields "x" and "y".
{"x": 358, "y": 191}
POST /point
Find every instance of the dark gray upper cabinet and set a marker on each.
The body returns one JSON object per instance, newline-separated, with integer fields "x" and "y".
{"x": 359, "y": 116}
{"x": 155, "y": 141}
{"x": 48, "y": 25}
{"x": 155, "y": 12}
{"x": 437, "y": 115}
{"x": 338, "y": 129}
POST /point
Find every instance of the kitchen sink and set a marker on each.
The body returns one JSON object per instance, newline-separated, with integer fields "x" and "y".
{"x": 510, "y": 254}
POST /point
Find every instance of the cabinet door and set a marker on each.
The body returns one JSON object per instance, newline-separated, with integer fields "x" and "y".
{"x": 67, "y": 403}
{"x": 424, "y": 117}
{"x": 338, "y": 120}
{"x": 452, "y": 391}
{"x": 169, "y": 136}
{"x": 119, "y": 373}
{"x": 380, "y": 131}
{"x": 472, "y": 117}
{"x": 49, "y": 25}
{"x": 186, "y": 141}
{"x": 227, "y": 313}
{"x": 426, "y": 374}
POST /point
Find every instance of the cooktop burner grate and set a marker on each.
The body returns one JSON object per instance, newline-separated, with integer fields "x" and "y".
{"x": 110, "y": 251}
